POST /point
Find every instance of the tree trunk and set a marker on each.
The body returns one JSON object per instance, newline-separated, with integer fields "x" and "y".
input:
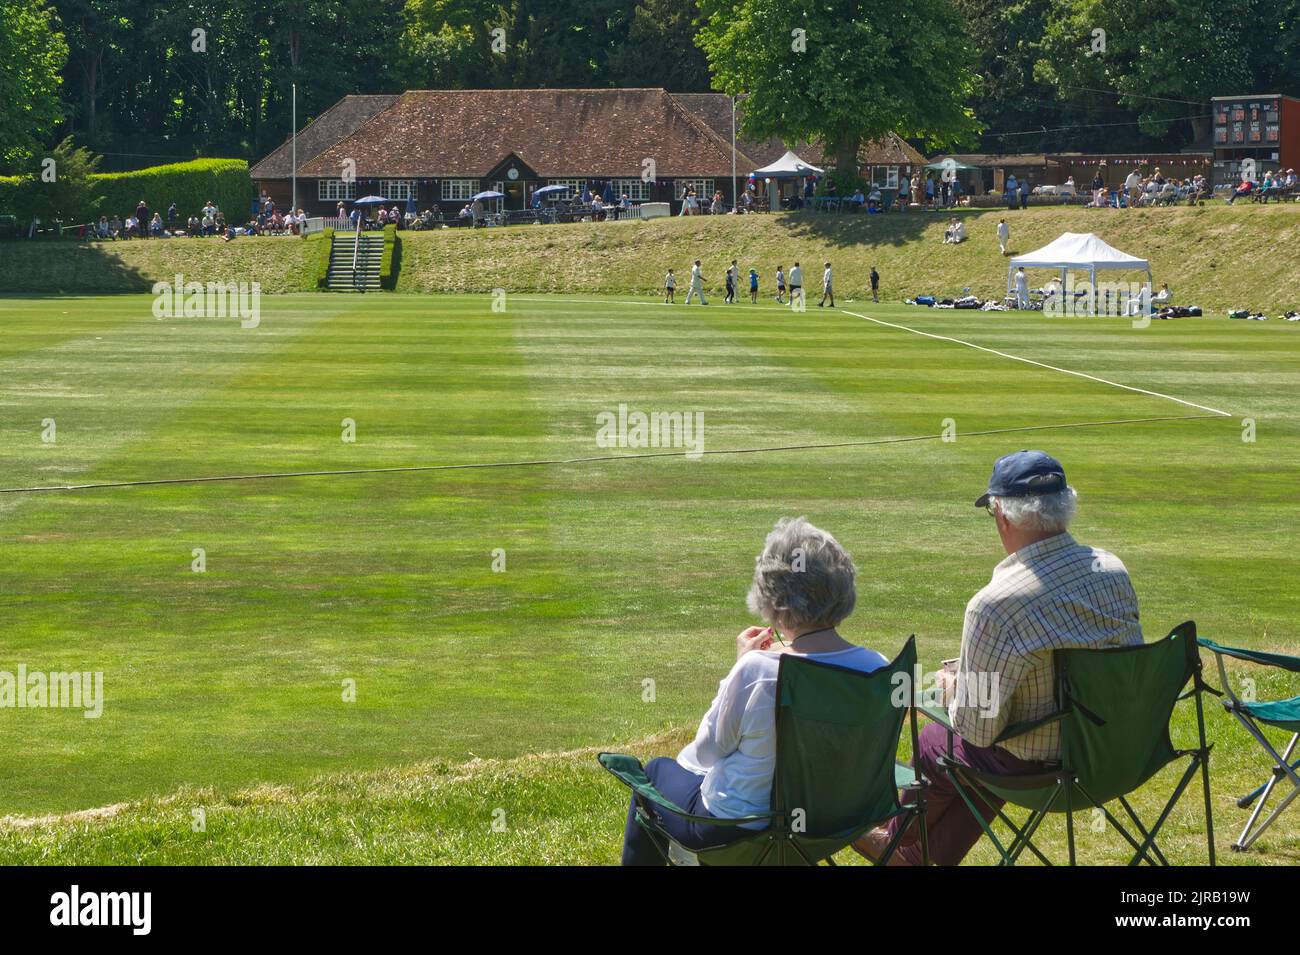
{"x": 845, "y": 152}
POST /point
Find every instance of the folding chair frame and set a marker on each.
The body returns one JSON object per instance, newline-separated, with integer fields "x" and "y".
{"x": 1065, "y": 781}
{"x": 1283, "y": 767}
{"x": 780, "y": 832}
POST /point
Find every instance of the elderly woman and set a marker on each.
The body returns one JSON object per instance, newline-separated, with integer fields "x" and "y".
{"x": 803, "y": 588}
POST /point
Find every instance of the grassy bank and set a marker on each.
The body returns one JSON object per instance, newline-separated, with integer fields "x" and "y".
{"x": 1216, "y": 256}
{"x": 277, "y": 263}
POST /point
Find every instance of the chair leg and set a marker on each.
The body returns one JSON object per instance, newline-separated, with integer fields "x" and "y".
{"x": 1150, "y": 840}
{"x": 1281, "y": 766}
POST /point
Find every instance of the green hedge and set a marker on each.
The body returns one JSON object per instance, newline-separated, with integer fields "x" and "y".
{"x": 387, "y": 273}
{"x": 188, "y": 184}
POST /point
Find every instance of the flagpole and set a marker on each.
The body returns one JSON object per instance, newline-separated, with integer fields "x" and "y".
{"x": 734, "y": 205}
{"x": 294, "y": 206}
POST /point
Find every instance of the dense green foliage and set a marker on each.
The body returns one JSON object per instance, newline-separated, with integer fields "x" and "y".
{"x": 190, "y": 185}
{"x": 32, "y": 57}
{"x": 842, "y": 72}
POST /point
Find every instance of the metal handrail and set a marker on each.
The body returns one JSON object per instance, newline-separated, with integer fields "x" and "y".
{"x": 356, "y": 253}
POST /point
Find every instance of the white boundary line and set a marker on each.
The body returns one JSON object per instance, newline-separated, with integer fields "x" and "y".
{"x": 942, "y": 338}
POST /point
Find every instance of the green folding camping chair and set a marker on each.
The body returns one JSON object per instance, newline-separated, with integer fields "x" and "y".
{"x": 1113, "y": 707}
{"x": 837, "y": 733}
{"x": 1282, "y": 714}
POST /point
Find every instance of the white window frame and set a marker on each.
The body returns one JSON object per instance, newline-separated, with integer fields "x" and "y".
{"x": 457, "y": 190}
{"x": 332, "y": 190}
{"x": 888, "y": 181}
{"x": 399, "y": 190}
{"x": 638, "y": 190}
{"x": 575, "y": 185}
{"x": 704, "y": 189}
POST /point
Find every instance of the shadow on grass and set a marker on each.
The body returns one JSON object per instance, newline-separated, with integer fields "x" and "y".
{"x": 69, "y": 267}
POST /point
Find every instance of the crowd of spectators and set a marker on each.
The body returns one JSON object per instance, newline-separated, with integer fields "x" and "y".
{"x": 266, "y": 218}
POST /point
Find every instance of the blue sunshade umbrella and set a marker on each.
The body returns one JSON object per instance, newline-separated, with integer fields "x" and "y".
{"x": 490, "y": 194}
{"x": 369, "y": 201}
{"x": 550, "y": 190}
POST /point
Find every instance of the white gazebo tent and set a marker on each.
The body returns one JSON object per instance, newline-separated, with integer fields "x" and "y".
{"x": 1082, "y": 251}
{"x": 788, "y": 166}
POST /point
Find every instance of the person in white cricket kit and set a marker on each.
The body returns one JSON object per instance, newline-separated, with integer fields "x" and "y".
{"x": 697, "y": 285}
{"x": 796, "y": 287}
{"x": 1004, "y": 235}
{"x": 1022, "y": 288}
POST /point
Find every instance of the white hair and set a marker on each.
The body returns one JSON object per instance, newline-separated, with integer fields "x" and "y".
{"x": 1039, "y": 512}
{"x": 803, "y": 578}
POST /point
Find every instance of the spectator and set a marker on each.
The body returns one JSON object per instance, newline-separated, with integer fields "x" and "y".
{"x": 1049, "y": 593}
{"x": 142, "y": 218}
{"x": 193, "y": 227}
{"x": 1244, "y": 189}
{"x": 1133, "y": 186}
{"x": 156, "y": 226}
{"x": 717, "y": 208}
{"x": 875, "y": 285}
{"x": 904, "y": 191}
{"x": 173, "y": 218}
{"x": 116, "y": 228}
{"x": 956, "y": 231}
{"x": 1011, "y": 192}
{"x": 727, "y": 770}
{"x": 780, "y": 285}
{"x": 1097, "y": 181}
{"x": 670, "y": 287}
{"x": 102, "y": 228}
{"x": 1024, "y": 192}
{"x": 929, "y": 191}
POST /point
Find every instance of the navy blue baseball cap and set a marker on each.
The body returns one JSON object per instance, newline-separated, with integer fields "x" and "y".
{"x": 1024, "y": 473}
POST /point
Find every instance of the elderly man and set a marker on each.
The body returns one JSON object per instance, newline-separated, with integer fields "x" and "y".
{"x": 1050, "y": 593}
{"x": 803, "y": 586}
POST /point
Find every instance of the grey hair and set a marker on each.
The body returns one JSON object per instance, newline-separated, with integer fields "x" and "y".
{"x": 1040, "y": 512}
{"x": 803, "y": 578}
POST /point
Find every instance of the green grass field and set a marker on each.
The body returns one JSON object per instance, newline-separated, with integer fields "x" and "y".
{"x": 224, "y": 689}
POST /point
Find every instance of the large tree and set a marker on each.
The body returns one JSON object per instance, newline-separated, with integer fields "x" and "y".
{"x": 843, "y": 71}
{"x": 32, "y": 55}
{"x": 1163, "y": 59}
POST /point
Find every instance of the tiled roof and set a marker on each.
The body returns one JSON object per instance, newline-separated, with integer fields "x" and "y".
{"x": 557, "y": 132}
{"x": 340, "y": 120}
{"x": 892, "y": 150}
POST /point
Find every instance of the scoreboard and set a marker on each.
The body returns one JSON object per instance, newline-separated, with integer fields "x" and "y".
{"x": 1263, "y": 127}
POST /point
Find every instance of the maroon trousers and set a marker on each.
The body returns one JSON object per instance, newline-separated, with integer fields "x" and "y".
{"x": 951, "y": 829}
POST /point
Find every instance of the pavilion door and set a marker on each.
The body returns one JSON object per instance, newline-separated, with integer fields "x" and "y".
{"x": 514, "y": 195}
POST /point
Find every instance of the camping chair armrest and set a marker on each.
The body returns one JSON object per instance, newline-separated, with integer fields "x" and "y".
{"x": 1280, "y": 660}
{"x": 629, "y": 771}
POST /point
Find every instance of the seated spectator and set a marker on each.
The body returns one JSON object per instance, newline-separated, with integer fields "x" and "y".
{"x": 156, "y": 226}
{"x": 874, "y": 198}
{"x": 1244, "y": 189}
{"x": 102, "y": 228}
{"x": 727, "y": 770}
{"x": 193, "y": 227}
{"x": 955, "y": 232}
{"x": 131, "y": 228}
{"x": 1163, "y": 296}
{"x": 1049, "y": 593}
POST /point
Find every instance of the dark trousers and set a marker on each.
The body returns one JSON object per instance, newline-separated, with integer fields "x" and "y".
{"x": 951, "y": 829}
{"x": 682, "y": 787}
